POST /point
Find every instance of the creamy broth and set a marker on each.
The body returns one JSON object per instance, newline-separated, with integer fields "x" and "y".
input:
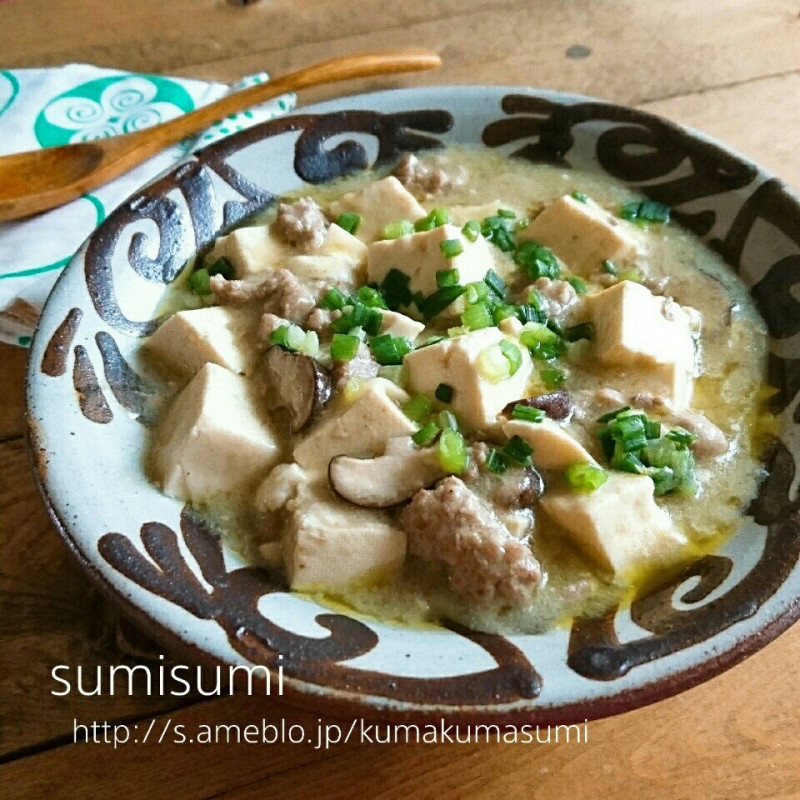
{"x": 728, "y": 393}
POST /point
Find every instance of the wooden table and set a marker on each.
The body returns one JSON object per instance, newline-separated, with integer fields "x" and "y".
{"x": 730, "y": 69}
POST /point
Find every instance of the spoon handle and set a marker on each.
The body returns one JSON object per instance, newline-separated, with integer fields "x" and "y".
{"x": 364, "y": 65}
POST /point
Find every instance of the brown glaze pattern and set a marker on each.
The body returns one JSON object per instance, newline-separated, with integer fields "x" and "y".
{"x": 233, "y": 604}
{"x": 54, "y": 360}
{"x": 91, "y": 400}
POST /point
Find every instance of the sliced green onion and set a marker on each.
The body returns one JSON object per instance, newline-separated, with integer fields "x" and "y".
{"x": 476, "y": 291}
{"x": 527, "y": 413}
{"x": 477, "y": 316}
{"x": 585, "y": 477}
{"x": 521, "y": 223}
{"x": 492, "y": 364}
{"x": 536, "y": 260}
{"x": 552, "y": 378}
{"x": 644, "y": 212}
{"x": 626, "y": 462}
{"x": 506, "y": 213}
{"x": 452, "y": 452}
{"x": 221, "y": 267}
{"x": 289, "y": 337}
{"x": 632, "y": 275}
{"x": 446, "y": 277}
{"x": 503, "y": 312}
{"x": 436, "y": 218}
{"x": 394, "y": 230}
{"x": 500, "y": 232}
{"x": 371, "y": 297}
{"x": 426, "y": 435}
{"x": 432, "y": 340}
{"x": 444, "y": 392}
{"x": 344, "y": 347}
{"x": 451, "y": 248}
{"x": 610, "y": 268}
{"x": 681, "y": 436}
{"x": 652, "y": 428}
{"x": 334, "y": 299}
{"x": 437, "y": 302}
{"x": 517, "y": 450}
{"x": 495, "y": 283}
{"x": 542, "y": 342}
{"x": 495, "y": 462}
{"x": 613, "y": 414}
{"x": 395, "y": 289}
{"x": 200, "y": 282}
{"x": 577, "y": 284}
{"x": 418, "y": 407}
{"x": 396, "y": 373}
{"x": 388, "y": 349}
{"x": 513, "y": 354}
{"x": 577, "y": 332}
{"x": 447, "y": 419}
{"x": 580, "y": 197}
{"x": 349, "y": 221}
{"x": 471, "y": 230}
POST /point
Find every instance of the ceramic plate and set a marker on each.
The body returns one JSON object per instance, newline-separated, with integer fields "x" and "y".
{"x": 89, "y": 405}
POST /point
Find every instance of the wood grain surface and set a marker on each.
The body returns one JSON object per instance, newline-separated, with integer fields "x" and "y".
{"x": 731, "y": 69}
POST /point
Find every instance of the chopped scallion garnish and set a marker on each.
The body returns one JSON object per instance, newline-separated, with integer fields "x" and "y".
{"x": 200, "y": 282}
{"x": 609, "y": 267}
{"x": 542, "y": 342}
{"x": 495, "y": 283}
{"x": 471, "y": 230}
{"x": 395, "y": 289}
{"x": 444, "y": 392}
{"x": 446, "y": 277}
{"x": 371, "y": 297}
{"x": 536, "y": 261}
{"x": 436, "y": 218}
{"x": 527, "y": 413}
{"x": 388, "y": 349}
{"x": 577, "y": 284}
{"x": 495, "y": 462}
{"x": 452, "y": 452}
{"x": 349, "y": 221}
{"x": 585, "y": 330}
{"x": 447, "y": 419}
{"x": 552, "y": 378}
{"x": 418, "y": 407}
{"x": 334, "y": 299}
{"x": 477, "y": 316}
{"x": 644, "y": 212}
{"x": 289, "y": 337}
{"x": 585, "y": 477}
{"x": 344, "y": 347}
{"x": 222, "y": 267}
{"x": 580, "y": 197}
{"x": 451, "y": 248}
{"x": 512, "y": 354}
{"x": 426, "y": 435}
{"x": 517, "y": 450}
{"x": 437, "y": 302}
{"x": 394, "y": 230}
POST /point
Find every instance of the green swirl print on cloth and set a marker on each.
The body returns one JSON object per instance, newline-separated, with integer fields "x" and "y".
{"x": 110, "y": 106}
{"x": 9, "y": 89}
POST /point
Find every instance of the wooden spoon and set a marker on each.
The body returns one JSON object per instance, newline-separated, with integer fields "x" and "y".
{"x": 43, "y": 179}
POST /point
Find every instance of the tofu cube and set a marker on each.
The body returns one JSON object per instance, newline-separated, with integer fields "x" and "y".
{"x": 650, "y": 335}
{"x": 216, "y": 335}
{"x": 398, "y": 324}
{"x": 338, "y": 242}
{"x": 331, "y": 544}
{"x": 553, "y": 447}
{"x": 361, "y": 430}
{"x": 379, "y": 204}
{"x": 251, "y": 251}
{"x": 582, "y": 235}
{"x": 476, "y": 400}
{"x": 420, "y": 257}
{"x": 213, "y": 439}
{"x": 329, "y": 269}
{"x": 618, "y": 526}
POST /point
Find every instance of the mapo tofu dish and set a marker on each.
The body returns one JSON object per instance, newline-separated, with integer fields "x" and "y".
{"x": 473, "y": 389}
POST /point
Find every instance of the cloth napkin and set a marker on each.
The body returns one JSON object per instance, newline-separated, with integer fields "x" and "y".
{"x": 49, "y": 107}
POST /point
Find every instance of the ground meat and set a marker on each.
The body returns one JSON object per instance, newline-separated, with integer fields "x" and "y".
{"x": 604, "y": 278}
{"x": 320, "y": 319}
{"x": 484, "y": 561}
{"x": 361, "y": 367}
{"x": 302, "y": 224}
{"x": 423, "y": 180}
{"x": 267, "y": 324}
{"x": 282, "y": 292}
{"x": 559, "y": 295}
{"x": 238, "y": 293}
{"x": 657, "y": 285}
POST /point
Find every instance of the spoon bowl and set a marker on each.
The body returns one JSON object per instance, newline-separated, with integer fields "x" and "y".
{"x": 43, "y": 179}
